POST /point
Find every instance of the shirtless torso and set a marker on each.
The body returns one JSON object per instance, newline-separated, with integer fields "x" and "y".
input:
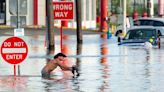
{"x": 53, "y": 64}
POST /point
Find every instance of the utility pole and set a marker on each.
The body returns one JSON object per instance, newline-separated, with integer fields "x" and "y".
{"x": 79, "y": 21}
{"x": 50, "y": 24}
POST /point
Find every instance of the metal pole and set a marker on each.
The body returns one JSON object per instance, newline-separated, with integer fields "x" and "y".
{"x": 78, "y": 20}
{"x": 150, "y": 8}
{"x": 144, "y": 5}
{"x": 124, "y": 17}
{"x": 17, "y": 13}
{"x": 50, "y": 24}
{"x": 17, "y": 28}
{"x": 104, "y": 10}
{"x": 134, "y": 9}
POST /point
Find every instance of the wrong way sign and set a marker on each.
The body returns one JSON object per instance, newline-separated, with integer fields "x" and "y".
{"x": 14, "y": 50}
{"x": 63, "y": 10}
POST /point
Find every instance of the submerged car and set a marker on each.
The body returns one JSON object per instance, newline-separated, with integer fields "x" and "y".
{"x": 140, "y": 35}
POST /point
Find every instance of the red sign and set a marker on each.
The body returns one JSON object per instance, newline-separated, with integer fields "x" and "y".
{"x": 63, "y": 10}
{"x": 14, "y": 50}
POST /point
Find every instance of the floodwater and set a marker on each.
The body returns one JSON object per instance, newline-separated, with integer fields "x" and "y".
{"x": 104, "y": 67}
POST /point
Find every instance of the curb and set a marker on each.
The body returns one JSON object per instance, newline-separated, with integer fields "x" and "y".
{"x": 43, "y": 27}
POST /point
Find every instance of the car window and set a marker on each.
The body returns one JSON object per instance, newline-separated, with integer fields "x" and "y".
{"x": 146, "y": 22}
{"x": 136, "y": 23}
{"x": 141, "y": 34}
{"x": 158, "y": 23}
{"x": 143, "y": 23}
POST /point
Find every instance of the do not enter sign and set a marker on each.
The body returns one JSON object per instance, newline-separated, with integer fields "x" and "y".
{"x": 14, "y": 50}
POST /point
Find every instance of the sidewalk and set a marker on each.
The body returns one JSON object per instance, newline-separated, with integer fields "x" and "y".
{"x": 42, "y": 30}
{"x": 43, "y": 27}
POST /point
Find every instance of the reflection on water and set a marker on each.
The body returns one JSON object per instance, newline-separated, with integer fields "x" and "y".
{"x": 79, "y": 52}
{"x": 13, "y": 84}
{"x": 105, "y": 69}
{"x": 113, "y": 69}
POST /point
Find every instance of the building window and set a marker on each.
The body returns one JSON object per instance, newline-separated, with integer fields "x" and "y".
{"x": 22, "y": 7}
{"x": 22, "y": 12}
{"x": 14, "y": 20}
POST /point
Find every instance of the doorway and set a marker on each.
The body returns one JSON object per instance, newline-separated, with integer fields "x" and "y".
{"x": 2, "y": 12}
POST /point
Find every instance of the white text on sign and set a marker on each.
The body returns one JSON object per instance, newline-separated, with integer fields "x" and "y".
{"x": 63, "y": 7}
{"x": 16, "y": 44}
{"x": 61, "y": 14}
{"x": 14, "y": 56}
{"x": 63, "y": 10}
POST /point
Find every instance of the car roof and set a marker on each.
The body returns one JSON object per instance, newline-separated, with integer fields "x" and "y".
{"x": 143, "y": 27}
{"x": 155, "y": 19}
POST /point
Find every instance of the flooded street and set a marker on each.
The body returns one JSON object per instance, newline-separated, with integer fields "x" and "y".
{"x": 104, "y": 67}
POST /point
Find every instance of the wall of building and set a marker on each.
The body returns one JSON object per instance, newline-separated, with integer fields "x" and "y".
{"x": 41, "y": 12}
{"x": 88, "y": 13}
{"x": 30, "y": 12}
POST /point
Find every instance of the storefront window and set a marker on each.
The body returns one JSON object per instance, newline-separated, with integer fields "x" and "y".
{"x": 22, "y": 7}
{"x": 14, "y": 21}
{"x": 22, "y": 12}
{"x": 2, "y": 11}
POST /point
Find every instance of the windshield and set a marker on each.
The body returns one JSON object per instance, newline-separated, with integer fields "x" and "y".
{"x": 141, "y": 34}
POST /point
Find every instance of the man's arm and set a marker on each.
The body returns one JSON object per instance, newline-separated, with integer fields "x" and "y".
{"x": 63, "y": 66}
{"x": 73, "y": 69}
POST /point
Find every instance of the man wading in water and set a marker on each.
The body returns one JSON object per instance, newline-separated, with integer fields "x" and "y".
{"x": 57, "y": 61}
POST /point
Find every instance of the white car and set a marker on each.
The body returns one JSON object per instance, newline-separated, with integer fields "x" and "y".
{"x": 155, "y": 22}
{"x": 140, "y": 35}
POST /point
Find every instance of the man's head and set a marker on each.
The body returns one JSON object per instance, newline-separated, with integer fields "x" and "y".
{"x": 59, "y": 55}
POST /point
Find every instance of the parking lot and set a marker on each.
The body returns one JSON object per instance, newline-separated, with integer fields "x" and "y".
{"x": 104, "y": 65}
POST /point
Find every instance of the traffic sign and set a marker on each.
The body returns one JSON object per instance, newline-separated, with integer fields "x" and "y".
{"x": 63, "y": 10}
{"x": 14, "y": 50}
{"x": 19, "y": 32}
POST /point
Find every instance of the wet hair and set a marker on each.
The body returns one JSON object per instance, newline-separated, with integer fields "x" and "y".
{"x": 59, "y": 54}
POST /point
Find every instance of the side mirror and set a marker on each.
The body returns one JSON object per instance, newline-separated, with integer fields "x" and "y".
{"x": 118, "y": 32}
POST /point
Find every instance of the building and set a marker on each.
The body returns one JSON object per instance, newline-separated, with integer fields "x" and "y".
{"x": 32, "y": 12}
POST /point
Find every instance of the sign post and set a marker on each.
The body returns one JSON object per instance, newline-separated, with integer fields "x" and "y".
{"x": 14, "y": 51}
{"x": 63, "y": 10}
